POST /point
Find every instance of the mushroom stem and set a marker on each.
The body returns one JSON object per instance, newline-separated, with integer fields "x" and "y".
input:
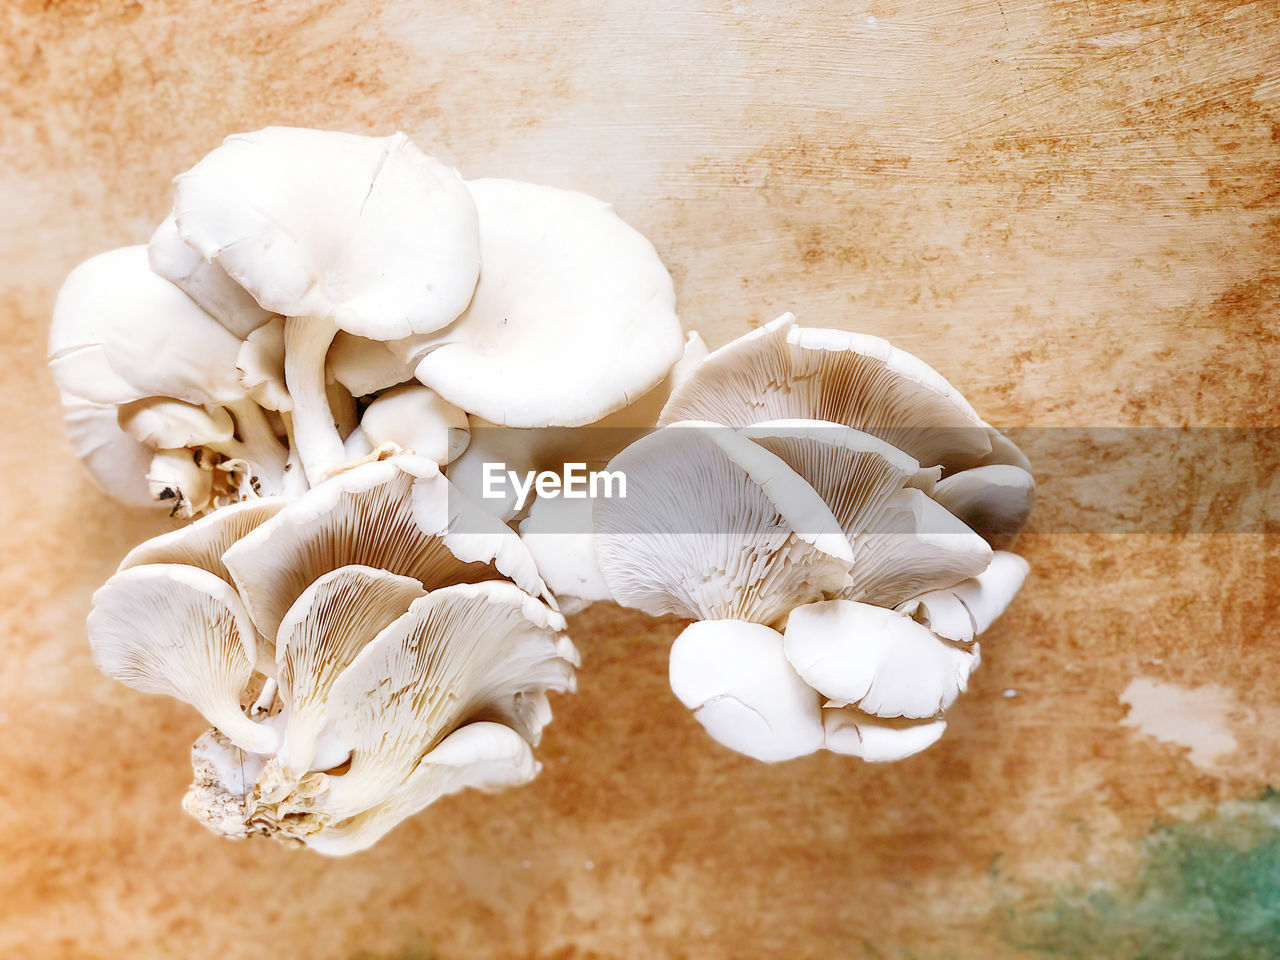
{"x": 265, "y": 699}
{"x": 295, "y": 478}
{"x": 175, "y": 478}
{"x": 256, "y": 443}
{"x": 319, "y": 445}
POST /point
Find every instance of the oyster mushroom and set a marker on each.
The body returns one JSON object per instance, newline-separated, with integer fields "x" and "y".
{"x": 415, "y": 419}
{"x": 860, "y": 438}
{"x": 116, "y": 461}
{"x": 112, "y": 319}
{"x": 204, "y": 282}
{"x": 714, "y": 526}
{"x": 392, "y": 660}
{"x": 573, "y": 318}
{"x": 180, "y": 631}
{"x": 333, "y": 232}
{"x": 736, "y": 679}
{"x": 782, "y": 371}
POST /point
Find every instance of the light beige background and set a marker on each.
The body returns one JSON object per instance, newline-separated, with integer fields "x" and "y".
{"x": 1069, "y": 208}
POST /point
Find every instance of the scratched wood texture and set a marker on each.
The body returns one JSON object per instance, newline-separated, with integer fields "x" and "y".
{"x": 1069, "y": 208}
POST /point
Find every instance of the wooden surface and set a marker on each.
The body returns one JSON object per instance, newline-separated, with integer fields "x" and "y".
{"x": 1069, "y": 208}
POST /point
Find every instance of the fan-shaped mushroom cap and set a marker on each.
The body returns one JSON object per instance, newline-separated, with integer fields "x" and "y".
{"x": 574, "y": 315}
{"x": 966, "y": 610}
{"x": 368, "y": 231}
{"x": 539, "y": 449}
{"x": 994, "y": 500}
{"x": 903, "y": 542}
{"x": 713, "y": 527}
{"x": 416, "y": 419}
{"x": 854, "y": 733}
{"x": 117, "y": 463}
{"x": 114, "y": 317}
{"x": 260, "y": 364}
{"x": 399, "y": 515}
{"x": 855, "y": 473}
{"x": 482, "y": 755}
{"x": 321, "y": 634}
{"x": 484, "y": 650}
{"x": 559, "y": 536}
{"x": 180, "y": 631}
{"x": 910, "y": 546}
{"x": 204, "y": 282}
{"x": 366, "y": 366}
{"x": 782, "y": 371}
{"x": 736, "y": 679}
{"x": 165, "y": 424}
{"x": 333, "y": 231}
{"x": 202, "y": 543}
{"x": 886, "y": 663}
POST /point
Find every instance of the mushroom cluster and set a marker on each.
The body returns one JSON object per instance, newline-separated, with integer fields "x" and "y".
{"x": 833, "y": 515}
{"x": 321, "y": 353}
{"x": 356, "y": 657}
{"x": 316, "y": 298}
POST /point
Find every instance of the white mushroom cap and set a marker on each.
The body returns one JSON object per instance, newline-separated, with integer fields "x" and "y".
{"x": 549, "y": 448}
{"x": 965, "y": 611}
{"x": 782, "y": 371}
{"x": 333, "y": 231}
{"x": 716, "y": 527}
{"x": 117, "y": 463}
{"x": 418, "y": 420}
{"x": 324, "y": 630}
{"x": 481, "y": 755}
{"x": 260, "y": 364}
{"x": 162, "y": 423}
{"x": 202, "y": 543}
{"x": 855, "y": 473}
{"x": 558, "y": 533}
{"x": 851, "y": 732}
{"x": 886, "y": 663}
{"x": 910, "y": 546}
{"x": 574, "y": 316}
{"x": 368, "y": 231}
{"x": 399, "y": 515}
{"x": 994, "y": 500}
{"x": 366, "y": 366}
{"x": 484, "y": 650}
{"x": 114, "y": 318}
{"x": 736, "y": 679}
{"x": 204, "y": 282}
{"x": 180, "y": 631}
{"x": 903, "y": 542}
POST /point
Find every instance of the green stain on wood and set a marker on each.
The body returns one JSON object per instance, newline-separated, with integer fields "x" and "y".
{"x": 1207, "y": 890}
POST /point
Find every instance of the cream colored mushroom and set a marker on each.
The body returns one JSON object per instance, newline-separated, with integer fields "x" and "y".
{"x": 334, "y": 232}
{"x": 415, "y": 419}
{"x": 113, "y": 317}
{"x": 324, "y": 630}
{"x": 886, "y": 663}
{"x": 713, "y": 527}
{"x": 994, "y": 500}
{"x": 204, "y": 282}
{"x": 399, "y": 515}
{"x": 736, "y": 679}
{"x": 573, "y": 318}
{"x": 366, "y": 366}
{"x": 117, "y": 463}
{"x": 783, "y": 371}
{"x": 180, "y": 631}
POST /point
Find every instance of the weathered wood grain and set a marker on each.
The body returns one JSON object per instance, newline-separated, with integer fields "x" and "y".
{"x": 1069, "y": 208}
